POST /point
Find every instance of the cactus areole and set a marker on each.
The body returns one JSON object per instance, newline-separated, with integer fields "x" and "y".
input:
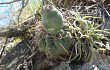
{"x": 52, "y": 19}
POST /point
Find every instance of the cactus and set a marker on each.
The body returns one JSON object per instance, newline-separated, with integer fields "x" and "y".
{"x": 52, "y": 19}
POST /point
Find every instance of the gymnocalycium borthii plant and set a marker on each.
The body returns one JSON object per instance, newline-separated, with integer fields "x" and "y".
{"x": 74, "y": 42}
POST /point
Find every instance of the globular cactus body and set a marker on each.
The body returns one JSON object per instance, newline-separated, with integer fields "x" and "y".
{"x": 52, "y": 19}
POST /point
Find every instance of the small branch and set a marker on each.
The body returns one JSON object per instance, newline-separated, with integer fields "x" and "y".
{"x": 10, "y": 2}
{"x": 23, "y": 6}
{"x": 3, "y": 48}
{"x": 12, "y": 33}
{"x": 18, "y": 31}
